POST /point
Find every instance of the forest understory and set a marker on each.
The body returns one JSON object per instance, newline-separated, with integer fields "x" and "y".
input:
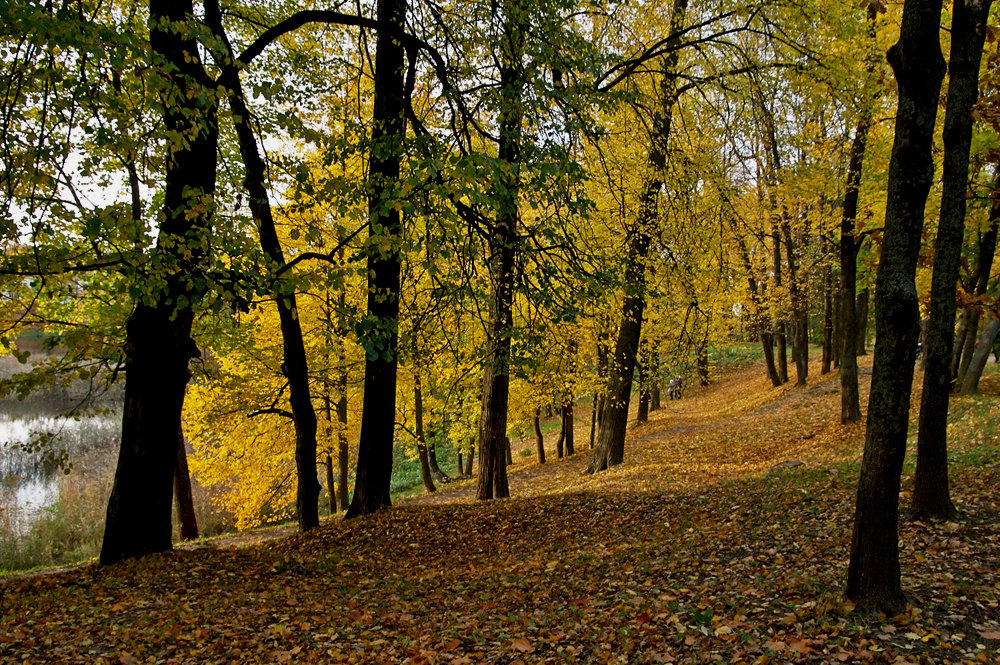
{"x": 724, "y": 537}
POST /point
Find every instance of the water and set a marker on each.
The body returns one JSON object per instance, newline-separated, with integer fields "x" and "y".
{"x": 36, "y": 450}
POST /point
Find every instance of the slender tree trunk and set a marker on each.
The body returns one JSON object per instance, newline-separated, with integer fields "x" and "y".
{"x": 862, "y": 330}
{"x": 374, "y": 468}
{"x": 418, "y": 409}
{"x": 182, "y": 492}
{"x": 873, "y": 577}
{"x": 931, "y": 497}
{"x": 295, "y": 365}
{"x": 642, "y": 367}
{"x": 461, "y": 465}
{"x": 539, "y": 441}
{"x": 503, "y": 248}
{"x": 979, "y": 284}
{"x": 158, "y": 342}
{"x": 982, "y": 353}
{"x": 331, "y": 485}
{"x": 800, "y": 307}
{"x": 610, "y": 448}
{"x": 827, "y": 358}
{"x": 469, "y": 459}
{"x": 567, "y": 425}
{"x": 343, "y": 449}
{"x": 779, "y": 324}
{"x": 593, "y": 421}
{"x": 850, "y": 403}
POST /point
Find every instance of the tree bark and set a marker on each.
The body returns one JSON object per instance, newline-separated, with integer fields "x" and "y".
{"x": 418, "y": 409}
{"x": 827, "y": 358}
{"x": 539, "y": 441}
{"x": 158, "y": 342}
{"x": 469, "y": 457}
{"x": 610, "y": 448}
{"x": 982, "y": 353}
{"x": 374, "y": 468}
{"x": 873, "y": 577}
{"x": 850, "y": 404}
{"x": 979, "y": 282}
{"x": 294, "y": 365}
{"x": 331, "y": 486}
{"x": 931, "y": 497}
{"x": 862, "y": 323}
{"x": 503, "y": 249}
{"x": 182, "y": 492}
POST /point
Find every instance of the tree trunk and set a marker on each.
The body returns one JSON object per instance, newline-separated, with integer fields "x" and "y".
{"x": 331, "y": 485}
{"x": 295, "y": 365}
{"x": 610, "y": 448}
{"x": 343, "y": 448}
{"x": 642, "y": 368}
{"x": 827, "y": 358}
{"x": 418, "y": 409}
{"x": 979, "y": 284}
{"x": 779, "y": 324}
{"x": 873, "y": 577}
{"x": 862, "y": 322}
{"x": 982, "y": 354}
{"x": 182, "y": 492}
{"x": 800, "y": 307}
{"x": 469, "y": 459}
{"x": 567, "y": 426}
{"x": 158, "y": 342}
{"x": 503, "y": 249}
{"x": 931, "y": 497}
{"x": 850, "y": 404}
{"x": 539, "y": 441}
{"x": 374, "y": 468}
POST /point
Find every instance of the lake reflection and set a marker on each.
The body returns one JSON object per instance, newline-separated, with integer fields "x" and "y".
{"x": 29, "y": 485}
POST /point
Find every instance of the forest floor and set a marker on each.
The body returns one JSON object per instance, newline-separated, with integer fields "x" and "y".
{"x": 702, "y": 547}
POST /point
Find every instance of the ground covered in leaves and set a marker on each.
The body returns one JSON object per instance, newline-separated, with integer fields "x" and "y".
{"x": 697, "y": 549}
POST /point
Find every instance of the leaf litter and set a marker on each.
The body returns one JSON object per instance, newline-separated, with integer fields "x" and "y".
{"x": 702, "y": 547}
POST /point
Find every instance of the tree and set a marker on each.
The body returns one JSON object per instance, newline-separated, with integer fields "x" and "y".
{"x": 158, "y": 342}
{"x": 873, "y": 577}
{"x": 374, "y": 468}
{"x": 931, "y": 498}
{"x": 850, "y": 241}
{"x": 610, "y": 448}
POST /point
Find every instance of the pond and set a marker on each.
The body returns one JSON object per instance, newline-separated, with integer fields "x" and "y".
{"x": 46, "y": 458}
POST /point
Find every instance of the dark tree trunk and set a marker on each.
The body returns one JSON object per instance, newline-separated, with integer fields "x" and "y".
{"x": 374, "y": 468}
{"x": 862, "y": 322}
{"x": 295, "y": 365}
{"x": 827, "y": 358}
{"x": 469, "y": 459}
{"x": 800, "y": 307}
{"x": 158, "y": 342}
{"x": 593, "y": 421}
{"x": 642, "y": 368}
{"x": 978, "y": 285}
{"x": 567, "y": 426}
{"x": 850, "y": 404}
{"x": 758, "y": 319}
{"x": 503, "y": 249}
{"x": 539, "y": 441}
{"x": 562, "y": 438}
{"x": 331, "y": 486}
{"x": 981, "y": 355}
{"x": 182, "y": 492}
{"x": 931, "y": 497}
{"x": 418, "y": 409}
{"x": 779, "y": 337}
{"x": 610, "y": 448}
{"x": 461, "y": 465}
{"x": 343, "y": 450}
{"x": 873, "y": 577}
